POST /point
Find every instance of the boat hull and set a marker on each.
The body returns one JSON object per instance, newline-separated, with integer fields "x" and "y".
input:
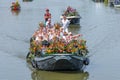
{"x": 117, "y": 6}
{"x": 59, "y": 62}
{"x": 73, "y": 19}
{"x": 117, "y": 3}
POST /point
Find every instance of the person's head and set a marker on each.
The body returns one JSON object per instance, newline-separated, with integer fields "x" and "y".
{"x": 41, "y": 24}
{"x": 47, "y": 10}
{"x": 64, "y": 17}
{"x": 41, "y": 37}
{"x": 65, "y": 33}
{"x": 61, "y": 29}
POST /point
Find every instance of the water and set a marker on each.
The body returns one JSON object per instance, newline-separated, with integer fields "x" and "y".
{"x": 99, "y": 26}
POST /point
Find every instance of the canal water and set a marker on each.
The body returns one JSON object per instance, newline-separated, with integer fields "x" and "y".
{"x": 100, "y": 26}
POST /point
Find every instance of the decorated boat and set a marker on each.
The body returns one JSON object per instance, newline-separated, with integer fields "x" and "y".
{"x": 27, "y": 0}
{"x": 117, "y": 3}
{"x": 63, "y": 52}
{"x": 72, "y": 15}
{"x": 15, "y": 6}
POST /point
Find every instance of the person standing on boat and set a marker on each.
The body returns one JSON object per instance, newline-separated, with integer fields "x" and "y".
{"x": 47, "y": 15}
{"x": 48, "y": 23}
{"x": 65, "y": 23}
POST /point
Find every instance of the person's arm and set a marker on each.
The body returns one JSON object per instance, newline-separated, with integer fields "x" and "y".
{"x": 49, "y": 15}
{"x": 45, "y": 16}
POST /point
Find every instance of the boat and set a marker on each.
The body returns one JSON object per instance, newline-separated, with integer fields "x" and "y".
{"x": 27, "y": 0}
{"x": 72, "y": 15}
{"x": 15, "y": 6}
{"x": 117, "y": 3}
{"x": 73, "y": 19}
{"x": 58, "y": 54}
{"x": 98, "y": 0}
{"x": 60, "y": 62}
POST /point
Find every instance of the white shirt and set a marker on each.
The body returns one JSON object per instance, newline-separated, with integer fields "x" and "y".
{"x": 65, "y": 23}
{"x": 48, "y": 24}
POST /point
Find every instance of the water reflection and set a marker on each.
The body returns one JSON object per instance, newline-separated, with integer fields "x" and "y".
{"x": 47, "y": 75}
{"x": 117, "y": 10}
{"x": 74, "y": 29}
{"x": 15, "y": 12}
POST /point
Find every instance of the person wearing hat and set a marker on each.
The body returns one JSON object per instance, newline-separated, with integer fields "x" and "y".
{"x": 47, "y": 15}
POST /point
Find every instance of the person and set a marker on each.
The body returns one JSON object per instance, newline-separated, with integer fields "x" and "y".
{"x": 47, "y": 15}
{"x": 48, "y": 23}
{"x": 65, "y": 23}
